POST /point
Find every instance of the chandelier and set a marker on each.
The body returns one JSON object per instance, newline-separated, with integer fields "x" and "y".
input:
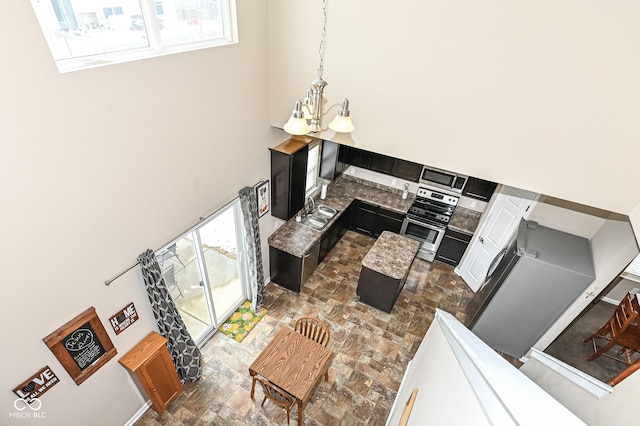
{"x": 308, "y": 113}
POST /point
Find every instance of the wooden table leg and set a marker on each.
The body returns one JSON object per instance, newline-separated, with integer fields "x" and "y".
{"x": 299, "y": 412}
{"x": 253, "y": 383}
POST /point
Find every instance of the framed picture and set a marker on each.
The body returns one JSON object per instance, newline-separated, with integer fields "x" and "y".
{"x": 82, "y": 345}
{"x": 262, "y": 195}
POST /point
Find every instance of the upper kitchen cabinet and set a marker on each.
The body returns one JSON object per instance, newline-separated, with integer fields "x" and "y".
{"x": 407, "y": 170}
{"x": 479, "y": 189}
{"x": 333, "y": 160}
{"x": 288, "y": 176}
{"x": 337, "y": 158}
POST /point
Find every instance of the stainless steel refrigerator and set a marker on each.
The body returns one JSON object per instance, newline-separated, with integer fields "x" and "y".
{"x": 529, "y": 285}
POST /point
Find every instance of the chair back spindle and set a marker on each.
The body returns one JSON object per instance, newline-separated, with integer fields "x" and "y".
{"x": 314, "y": 329}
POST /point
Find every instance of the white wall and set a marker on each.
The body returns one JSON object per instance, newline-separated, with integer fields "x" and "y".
{"x": 442, "y": 386}
{"x": 462, "y": 381}
{"x": 537, "y": 95}
{"x": 99, "y": 165}
{"x": 617, "y": 293}
{"x": 618, "y": 408}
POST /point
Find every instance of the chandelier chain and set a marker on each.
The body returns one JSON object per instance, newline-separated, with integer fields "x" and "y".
{"x": 322, "y": 36}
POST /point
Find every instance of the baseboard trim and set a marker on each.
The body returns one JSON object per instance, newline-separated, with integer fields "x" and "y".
{"x": 610, "y": 300}
{"x": 138, "y": 414}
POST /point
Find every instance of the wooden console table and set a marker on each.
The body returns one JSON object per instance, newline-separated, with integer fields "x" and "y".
{"x": 152, "y": 365}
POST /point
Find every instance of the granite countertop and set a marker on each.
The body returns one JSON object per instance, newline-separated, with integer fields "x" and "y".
{"x": 391, "y": 246}
{"x": 464, "y": 220}
{"x": 297, "y": 239}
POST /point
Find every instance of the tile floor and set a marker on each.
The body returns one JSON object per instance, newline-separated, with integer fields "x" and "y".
{"x": 372, "y": 348}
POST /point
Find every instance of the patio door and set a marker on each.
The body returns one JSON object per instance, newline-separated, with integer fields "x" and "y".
{"x": 205, "y": 271}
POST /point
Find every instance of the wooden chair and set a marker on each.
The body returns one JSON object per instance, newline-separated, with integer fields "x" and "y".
{"x": 277, "y": 395}
{"x": 316, "y": 330}
{"x": 621, "y": 330}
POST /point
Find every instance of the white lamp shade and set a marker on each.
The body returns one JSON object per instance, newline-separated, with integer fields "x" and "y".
{"x": 342, "y": 124}
{"x": 297, "y": 126}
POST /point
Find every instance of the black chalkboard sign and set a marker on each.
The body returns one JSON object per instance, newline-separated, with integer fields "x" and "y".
{"x": 82, "y": 345}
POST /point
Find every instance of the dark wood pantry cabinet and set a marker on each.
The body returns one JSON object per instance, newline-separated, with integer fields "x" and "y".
{"x": 288, "y": 176}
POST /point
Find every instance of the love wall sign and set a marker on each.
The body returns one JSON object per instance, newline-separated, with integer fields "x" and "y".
{"x": 82, "y": 345}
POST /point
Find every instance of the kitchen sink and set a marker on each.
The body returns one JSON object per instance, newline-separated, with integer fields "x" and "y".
{"x": 315, "y": 221}
{"x": 324, "y": 210}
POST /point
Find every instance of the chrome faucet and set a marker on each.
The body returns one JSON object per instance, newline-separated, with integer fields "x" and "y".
{"x": 306, "y": 205}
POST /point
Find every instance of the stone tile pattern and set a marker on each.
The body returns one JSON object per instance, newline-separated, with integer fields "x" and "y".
{"x": 464, "y": 220}
{"x": 391, "y": 255}
{"x": 296, "y": 239}
{"x": 372, "y": 348}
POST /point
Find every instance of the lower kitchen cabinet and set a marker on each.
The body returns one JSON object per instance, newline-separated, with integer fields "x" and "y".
{"x": 387, "y": 220}
{"x": 290, "y": 271}
{"x": 371, "y": 220}
{"x": 364, "y": 217}
{"x": 331, "y": 237}
{"x": 152, "y": 365}
{"x": 452, "y": 247}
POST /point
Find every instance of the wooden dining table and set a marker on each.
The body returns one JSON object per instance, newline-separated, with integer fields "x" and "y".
{"x": 294, "y": 363}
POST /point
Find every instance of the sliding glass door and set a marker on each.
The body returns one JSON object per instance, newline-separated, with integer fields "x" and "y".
{"x": 205, "y": 272}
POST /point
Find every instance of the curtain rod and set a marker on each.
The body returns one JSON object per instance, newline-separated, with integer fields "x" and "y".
{"x": 109, "y": 281}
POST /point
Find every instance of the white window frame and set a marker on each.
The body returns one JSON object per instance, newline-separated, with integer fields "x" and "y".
{"x": 155, "y": 48}
{"x": 313, "y": 168}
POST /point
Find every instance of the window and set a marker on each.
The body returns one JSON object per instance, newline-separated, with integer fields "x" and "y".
{"x": 312, "y": 168}
{"x": 88, "y": 33}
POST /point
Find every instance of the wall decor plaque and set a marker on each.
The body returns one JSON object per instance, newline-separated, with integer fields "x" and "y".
{"x": 36, "y": 385}
{"x": 124, "y": 318}
{"x": 82, "y": 345}
{"x": 262, "y": 196}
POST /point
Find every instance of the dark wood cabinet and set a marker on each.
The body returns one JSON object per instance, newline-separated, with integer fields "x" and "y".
{"x": 479, "y": 189}
{"x": 452, "y": 247}
{"x": 371, "y": 220}
{"x": 364, "y": 217}
{"x": 407, "y": 170}
{"x": 291, "y": 271}
{"x": 152, "y": 365}
{"x": 288, "y": 177}
{"x": 380, "y": 163}
{"x": 331, "y": 237}
{"x": 333, "y": 161}
{"x": 387, "y": 220}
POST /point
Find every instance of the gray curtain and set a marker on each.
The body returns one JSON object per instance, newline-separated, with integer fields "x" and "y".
{"x": 184, "y": 352}
{"x": 249, "y": 206}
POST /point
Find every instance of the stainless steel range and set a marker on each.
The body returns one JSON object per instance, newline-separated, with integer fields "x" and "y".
{"x": 427, "y": 219}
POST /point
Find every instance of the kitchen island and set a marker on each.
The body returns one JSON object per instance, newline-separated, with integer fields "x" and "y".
{"x": 380, "y": 280}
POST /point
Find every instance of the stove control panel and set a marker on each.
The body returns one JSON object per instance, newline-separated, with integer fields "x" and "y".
{"x": 428, "y": 194}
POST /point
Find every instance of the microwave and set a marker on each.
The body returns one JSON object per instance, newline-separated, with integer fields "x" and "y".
{"x": 442, "y": 179}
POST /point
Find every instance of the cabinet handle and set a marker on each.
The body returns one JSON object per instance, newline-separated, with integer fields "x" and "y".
{"x": 476, "y": 195}
{"x": 456, "y": 239}
{"x": 481, "y": 240}
{"x": 154, "y": 389}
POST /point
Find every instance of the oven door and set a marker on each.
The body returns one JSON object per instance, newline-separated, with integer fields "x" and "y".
{"x": 428, "y": 234}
